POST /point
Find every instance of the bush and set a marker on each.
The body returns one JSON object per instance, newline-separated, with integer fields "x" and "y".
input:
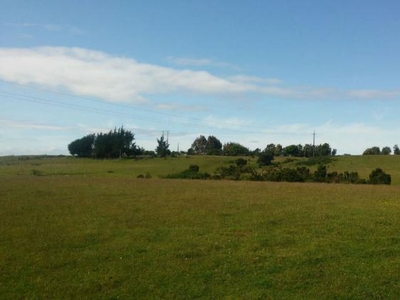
{"x": 264, "y": 159}
{"x": 37, "y": 172}
{"x": 194, "y": 168}
{"x": 378, "y": 176}
{"x": 191, "y": 173}
{"x": 240, "y": 162}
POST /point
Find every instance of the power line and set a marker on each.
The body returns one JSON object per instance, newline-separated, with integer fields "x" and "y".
{"x": 195, "y": 122}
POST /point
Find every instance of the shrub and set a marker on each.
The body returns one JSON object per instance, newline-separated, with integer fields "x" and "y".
{"x": 378, "y": 176}
{"x": 191, "y": 173}
{"x": 240, "y": 162}
{"x": 264, "y": 159}
{"x": 321, "y": 174}
{"x": 37, "y": 172}
{"x": 194, "y": 168}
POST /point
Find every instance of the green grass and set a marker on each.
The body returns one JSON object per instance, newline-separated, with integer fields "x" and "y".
{"x": 157, "y": 167}
{"x": 82, "y": 231}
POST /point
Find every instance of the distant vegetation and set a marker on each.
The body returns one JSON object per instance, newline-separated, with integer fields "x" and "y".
{"x": 385, "y": 150}
{"x": 241, "y": 171}
{"x": 119, "y": 143}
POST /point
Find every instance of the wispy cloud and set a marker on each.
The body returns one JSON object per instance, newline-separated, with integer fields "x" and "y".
{"x": 226, "y": 123}
{"x": 29, "y": 125}
{"x": 255, "y": 80}
{"x": 199, "y": 62}
{"x": 374, "y": 94}
{"x": 180, "y": 107}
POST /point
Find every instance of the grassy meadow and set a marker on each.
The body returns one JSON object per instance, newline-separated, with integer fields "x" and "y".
{"x": 91, "y": 229}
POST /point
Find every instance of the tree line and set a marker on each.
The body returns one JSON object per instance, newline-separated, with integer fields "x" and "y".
{"x": 213, "y": 146}
{"x": 121, "y": 143}
{"x": 385, "y": 150}
{"x": 116, "y": 143}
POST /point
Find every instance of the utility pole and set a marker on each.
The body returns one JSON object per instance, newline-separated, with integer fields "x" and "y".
{"x": 313, "y": 145}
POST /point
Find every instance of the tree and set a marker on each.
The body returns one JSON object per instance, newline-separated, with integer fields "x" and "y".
{"x": 372, "y": 151}
{"x": 323, "y": 150}
{"x": 82, "y": 147}
{"x": 162, "y": 148}
{"x": 308, "y": 150}
{"x": 210, "y": 146}
{"x": 213, "y": 146}
{"x": 270, "y": 149}
{"x": 278, "y": 150}
{"x": 386, "y": 150}
{"x": 199, "y": 145}
{"x": 235, "y": 149}
{"x": 115, "y": 143}
{"x": 291, "y": 150}
{"x": 396, "y": 150}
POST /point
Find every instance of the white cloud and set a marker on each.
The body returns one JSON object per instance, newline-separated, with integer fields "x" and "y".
{"x": 93, "y": 73}
{"x": 118, "y": 79}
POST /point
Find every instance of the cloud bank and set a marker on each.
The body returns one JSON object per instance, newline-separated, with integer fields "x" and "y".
{"x": 119, "y": 79}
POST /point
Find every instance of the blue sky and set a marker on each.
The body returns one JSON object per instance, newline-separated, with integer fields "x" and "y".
{"x": 253, "y": 72}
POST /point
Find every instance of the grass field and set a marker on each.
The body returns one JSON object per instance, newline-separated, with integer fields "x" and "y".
{"x": 91, "y": 229}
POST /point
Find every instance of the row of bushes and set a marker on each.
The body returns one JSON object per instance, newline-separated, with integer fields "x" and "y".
{"x": 241, "y": 171}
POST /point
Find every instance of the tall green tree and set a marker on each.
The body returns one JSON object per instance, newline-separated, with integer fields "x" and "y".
{"x": 396, "y": 150}
{"x": 270, "y": 149}
{"x": 213, "y": 146}
{"x": 162, "y": 147}
{"x": 210, "y": 146}
{"x": 199, "y": 145}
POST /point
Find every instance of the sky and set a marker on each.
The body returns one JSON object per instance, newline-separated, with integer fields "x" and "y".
{"x": 253, "y": 72}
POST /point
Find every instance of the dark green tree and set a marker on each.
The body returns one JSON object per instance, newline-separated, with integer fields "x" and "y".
{"x": 82, "y": 147}
{"x": 320, "y": 174}
{"x": 308, "y": 150}
{"x": 378, "y": 176}
{"x": 270, "y": 149}
{"x": 116, "y": 143}
{"x": 396, "y": 150}
{"x": 372, "y": 151}
{"x": 235, "y": 149}
{"x": 386, "y": 150}
{"x": 162, "y": 148}
{"x": 324, "y": 150}
{"x": 213, "y": 146}
{"x": 278, "y": 150}
{"x": 291, "y": 150}
{"x": 199, "y": 145}
{"x": 265, "y": 158}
